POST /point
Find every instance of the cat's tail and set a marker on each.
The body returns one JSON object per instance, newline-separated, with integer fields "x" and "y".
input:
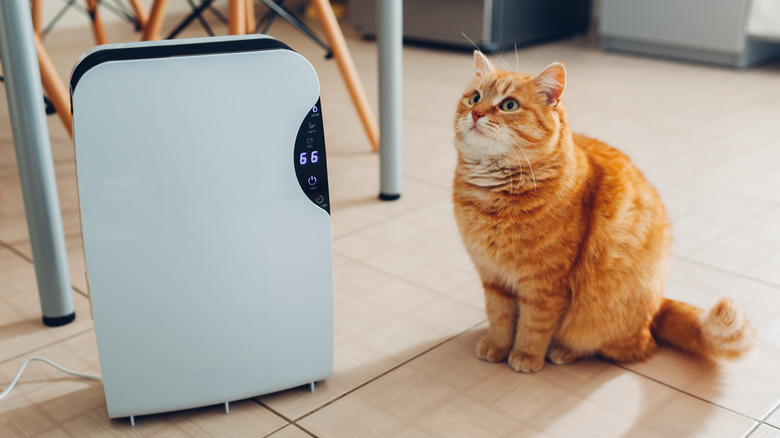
{"x": 721, "y": 332}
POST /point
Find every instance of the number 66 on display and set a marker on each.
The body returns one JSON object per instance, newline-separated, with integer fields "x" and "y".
{"x": 312, "y": 158}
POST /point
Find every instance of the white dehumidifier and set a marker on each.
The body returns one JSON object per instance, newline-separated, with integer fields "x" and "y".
{"x": 205, "y": 219}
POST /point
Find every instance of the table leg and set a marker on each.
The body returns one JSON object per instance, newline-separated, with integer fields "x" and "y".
{"x": 390, "y": 40}
{"x": 36, "y": 168}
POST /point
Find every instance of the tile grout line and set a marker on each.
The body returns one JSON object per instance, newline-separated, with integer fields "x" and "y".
{"x": 774, "y": 409}
{"x": 619, "y": 365}
{"x": 753, "y": 429}
{"x": 777, "y": 428}
{"x": 726, "y": 192}
{"x": 726, "y": 231}
{"x": 379, "y": 376}
{"x": 396, "y": 216}
{"x": 725, "y": 271}
{"x": 50, "y": 344}
{"x": 24, "y": 257}
{"x": 283, "y": 417}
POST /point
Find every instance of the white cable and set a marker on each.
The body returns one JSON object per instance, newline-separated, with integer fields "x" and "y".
{"x": 43, "y": 359}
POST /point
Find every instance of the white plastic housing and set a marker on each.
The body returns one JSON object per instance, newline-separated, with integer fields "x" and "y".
{"x": 210, "y": 270}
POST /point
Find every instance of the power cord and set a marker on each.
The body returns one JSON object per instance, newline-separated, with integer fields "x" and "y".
{"x": 43, "y": 359}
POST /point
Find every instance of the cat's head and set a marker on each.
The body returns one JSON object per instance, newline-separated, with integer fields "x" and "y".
{"x": 501, "y": 111}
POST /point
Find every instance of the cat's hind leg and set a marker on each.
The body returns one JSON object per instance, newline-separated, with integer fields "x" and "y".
{"x": 501, "y": 310}
{"x": 560, "y": 355}
{"x": 633, "y": 348}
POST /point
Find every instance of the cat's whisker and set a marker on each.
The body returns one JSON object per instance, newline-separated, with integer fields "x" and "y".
{"x": 525, "y": 67}
{"x": 511, "y": 173}
{"x": 506, "y": 64}
{"x": 472, "y": 42}
{"x": 529, "y": 165}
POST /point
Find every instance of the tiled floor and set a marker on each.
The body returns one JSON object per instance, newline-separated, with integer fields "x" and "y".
{"x": 408, "y": 305}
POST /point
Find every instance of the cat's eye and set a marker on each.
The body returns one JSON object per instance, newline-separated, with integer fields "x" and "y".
{"x": 474, "y": 98}
{"x": 509, "y": 105}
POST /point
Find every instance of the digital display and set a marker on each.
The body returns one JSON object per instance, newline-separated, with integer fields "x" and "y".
{"x": 309, "y": 158}
{"x": 312, "y": 157}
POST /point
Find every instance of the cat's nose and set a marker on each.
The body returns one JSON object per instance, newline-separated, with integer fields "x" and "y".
{"x": 477, "y": 114}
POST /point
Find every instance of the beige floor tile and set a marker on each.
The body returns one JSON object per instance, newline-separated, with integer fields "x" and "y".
{"x": 774, "y": 418}
{"x": 455, "y": 363}
{"x": 402, "y": 339}
{"x": 291, "y": 431}
{"x": 682, "y": 416}
{"x": 746, "y": 386}
{"x": 470, "y": 293}
{"x": 685, "y": 416}
{"x": 408, "y": 393}
{"x": 764, "y": 431}
{"x": 75, "y": 253}
{"x": 21, "y": 327}
{"x": 246, "y": 418}
{"x": 13, "y": 222}
{"x": 48, "y": 397}
{"x": 60, "y": 396}
{"x": 352, "y": 417}
{"x": 57, "y": 432}
{"x": 409, "y": 432}
{"x": 578, "y": 416}
{"x": 45, "y": 397}
{"x": 355, "y": 363}
{"x": 296, "y": 403}
{"x": 522, "y": 396}
{"x": 97, "y": 423}
{"x": 766, "y": 269}
{"x": 24, "y": 419}
{"x": 466, "y": 416}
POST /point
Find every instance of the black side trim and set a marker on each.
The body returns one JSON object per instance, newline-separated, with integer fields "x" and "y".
{"x": 167, "y": 51}
{"x": 58, "y": 320}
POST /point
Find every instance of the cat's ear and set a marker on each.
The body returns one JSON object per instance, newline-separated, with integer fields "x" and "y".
{"x": 552, "y": 82}
{"x": 482, "y": 64}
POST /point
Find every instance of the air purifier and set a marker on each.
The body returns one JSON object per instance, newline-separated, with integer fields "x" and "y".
{"x": 205, "y": 218}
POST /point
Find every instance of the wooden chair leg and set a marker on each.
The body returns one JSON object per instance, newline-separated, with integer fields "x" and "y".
{"x": 141, "y": 14}
{"x": 36, "y": 6}
{"x": 154, "y": 23}
{"x": 236, "y": 17}
{"x": 54, "y": 87}
{"x": 250, "y": 16}
{"x": 348, "y": 70}
{"x": 97, "y": 23}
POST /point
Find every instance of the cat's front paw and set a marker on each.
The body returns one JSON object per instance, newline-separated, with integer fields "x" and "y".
{"x": 524, "y": 362}
{"x": 491, "y": 352}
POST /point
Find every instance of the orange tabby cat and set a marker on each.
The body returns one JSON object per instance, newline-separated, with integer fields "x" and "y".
{"x": 570, "y": 241}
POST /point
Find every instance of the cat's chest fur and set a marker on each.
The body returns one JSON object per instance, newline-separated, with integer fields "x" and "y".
{"x": 517, "y": 238}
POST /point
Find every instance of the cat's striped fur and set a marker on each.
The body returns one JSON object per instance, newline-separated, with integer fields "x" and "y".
{"x": 570, "y": 240}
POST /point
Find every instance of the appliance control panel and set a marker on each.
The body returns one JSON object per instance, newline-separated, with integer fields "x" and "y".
{"x": 309, "y": 158}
